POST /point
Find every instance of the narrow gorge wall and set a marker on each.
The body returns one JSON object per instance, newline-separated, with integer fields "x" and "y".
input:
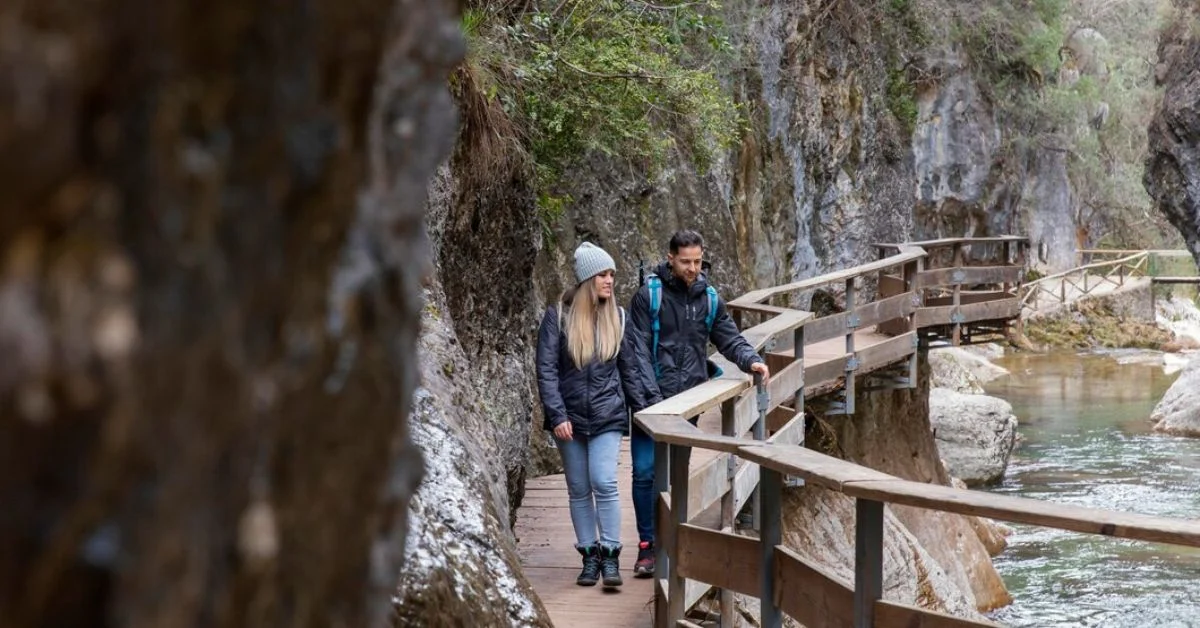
{"x": 1172, "y": 175}
{"x": 211, "y": 251}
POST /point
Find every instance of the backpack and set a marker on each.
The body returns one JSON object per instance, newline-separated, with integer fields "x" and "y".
{"x": 654, "y": 284}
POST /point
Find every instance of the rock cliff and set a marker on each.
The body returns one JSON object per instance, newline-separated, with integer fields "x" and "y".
{"x": 1172, "y": 175}
{"x": 211, "y": 251}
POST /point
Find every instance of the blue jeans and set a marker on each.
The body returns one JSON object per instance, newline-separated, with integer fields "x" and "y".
{"x": 641, "y": 449}
{"x": 590, "y": 465}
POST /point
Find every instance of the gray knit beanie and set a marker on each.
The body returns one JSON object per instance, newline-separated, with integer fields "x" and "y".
{"x": 591, "y": 260}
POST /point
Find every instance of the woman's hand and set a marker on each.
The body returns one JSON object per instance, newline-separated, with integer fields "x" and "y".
{"x": 562, "y": 431}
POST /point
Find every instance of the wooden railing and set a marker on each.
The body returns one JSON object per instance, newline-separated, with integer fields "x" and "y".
{"x": 761, "y": 443}
{"x": 1062, "y": 288}
{"x": 784, "y": 582}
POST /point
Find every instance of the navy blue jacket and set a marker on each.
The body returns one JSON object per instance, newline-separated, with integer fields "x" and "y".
{"x": 682, "y": 337}
{"x": 598, "y": 397}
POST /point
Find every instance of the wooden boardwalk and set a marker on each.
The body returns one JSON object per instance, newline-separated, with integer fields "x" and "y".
{"x": 545, "y": 538}
{"x": 545, "y": 543}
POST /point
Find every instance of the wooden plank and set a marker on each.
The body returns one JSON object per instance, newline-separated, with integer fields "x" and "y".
{"x": 817, "y": 373}
{"x": 809, "y": 594}
{"x": 791, "y": 433}
{"x": 677, "y": 431}
{"x": 783, "y": 385}
{"x": 886, "y": 352}
{"x": 818, "y": 468}
{"x": 708, "y": 484}
{"x": 970, "y": 296}
{"x": 758, "y": 296}
{"x": 757, "y": 308}
{"x": 890, "y": 614}
{"x": 944, "y": 242}
{"x": 967, "y": 275}
{"x": 834, "y": 325}
{"x": 784, "y": 323}
{"x": 694, "y": 401}
{"x": 720, "y": 559}
{"x": 1007, "y": 508}
{"x": 745, "y": 480}
{"x": 933, "y": 316}
{"x": 991, "y": 310}
{"x": 1175, "y": 280}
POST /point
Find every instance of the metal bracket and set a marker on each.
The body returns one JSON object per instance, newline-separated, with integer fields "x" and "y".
{"x": 852, "y": 363}
{"x": 792, "y": 481}
{"x": 958, "y": 276}
{"x": 836, "y": 407}
{"x": 853, "y": 321}
{"x": 957, "y": 317}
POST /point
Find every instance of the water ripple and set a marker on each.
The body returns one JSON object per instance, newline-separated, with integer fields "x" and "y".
{"x": 1087, "y": 442}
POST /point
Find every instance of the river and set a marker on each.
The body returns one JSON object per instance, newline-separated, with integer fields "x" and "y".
{"x": 1083, "y": 418}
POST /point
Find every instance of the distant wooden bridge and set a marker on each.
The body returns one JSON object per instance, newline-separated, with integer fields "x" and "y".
{"x": 750, "y": 438}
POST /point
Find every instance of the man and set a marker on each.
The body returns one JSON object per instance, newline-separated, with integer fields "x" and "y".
{"x": 690, "y": 315}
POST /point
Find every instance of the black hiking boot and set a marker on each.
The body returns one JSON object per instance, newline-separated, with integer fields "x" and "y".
{"x": 644, "y": 567}
{"x": 591, "y": 566}
{"x": 610, "y": 566}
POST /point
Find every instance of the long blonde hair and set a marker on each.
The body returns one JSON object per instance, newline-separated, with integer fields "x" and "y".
{"x": 593, "y": 327}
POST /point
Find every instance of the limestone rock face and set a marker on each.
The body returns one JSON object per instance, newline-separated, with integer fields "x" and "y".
{"x": 1172, "y": 175}
{"x": 975, "y": 434}
{"x": 211, "y": 248}
{"x": 1179, "y": 411}
{"x": 819, "y": 525}
{"x": 461, "y": 564}
{"x": 954, "y": 144}
{"x": 890, "y": 431}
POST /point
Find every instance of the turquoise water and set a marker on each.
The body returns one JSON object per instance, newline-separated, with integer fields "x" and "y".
{"x": 1087, "y": 441}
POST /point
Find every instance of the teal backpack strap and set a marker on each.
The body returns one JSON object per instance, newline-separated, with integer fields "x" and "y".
{"x": 714, "y": 371}
{"x": 712, "y": 308}
{"x": 654, "y": 285}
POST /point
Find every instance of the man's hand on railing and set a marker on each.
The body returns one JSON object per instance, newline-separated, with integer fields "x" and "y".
{"x": 761, "y": 369}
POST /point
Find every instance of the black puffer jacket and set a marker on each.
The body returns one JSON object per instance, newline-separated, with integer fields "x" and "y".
{"x": 597, "y": 398}
{"x": 682, "y": 337}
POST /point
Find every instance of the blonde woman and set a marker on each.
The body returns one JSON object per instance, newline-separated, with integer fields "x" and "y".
{"x": 591, "y": 372}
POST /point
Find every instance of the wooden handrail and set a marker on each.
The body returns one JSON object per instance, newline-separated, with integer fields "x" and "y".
{"x": 909, "y": 254}
{"x": 1035, "y": 287}
{"x": 782, "y": 580}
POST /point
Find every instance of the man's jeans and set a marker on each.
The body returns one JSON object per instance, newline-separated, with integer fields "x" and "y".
{"x": 590, "y": 464}
{"x": 641, "y": 449}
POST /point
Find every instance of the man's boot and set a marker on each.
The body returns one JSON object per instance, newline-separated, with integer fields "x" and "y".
{"x": 591, "y": 566}
{"x": 610, "y": 566}
{"x": 644, "y": 567}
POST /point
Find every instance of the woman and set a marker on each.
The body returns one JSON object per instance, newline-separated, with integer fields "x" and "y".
{"x": 589, "y": 364}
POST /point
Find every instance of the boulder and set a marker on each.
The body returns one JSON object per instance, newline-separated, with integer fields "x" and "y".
{"x": 1179, "y": 411}
{"x": 975, "y": 434}
{"x": 961, "y": 370}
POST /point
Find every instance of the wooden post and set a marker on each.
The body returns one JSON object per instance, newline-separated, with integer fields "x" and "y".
{"x": 956, "y": 335}
{"x": 770, "y": 535}
{"x": 728, "y": 516}
{"x": 913, "y": 270}
{"x": 662, "y": 559}
{"x": 848, "y": 389}
{"x": 680, "y": 457}
{"x": 1007, "y": 262}
{"x": 868, "y": 561}
{"x": 760, "y": 429}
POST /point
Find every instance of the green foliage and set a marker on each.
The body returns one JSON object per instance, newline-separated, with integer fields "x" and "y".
{"x": 901, "y": 99}
{"x": 623, "y": 78}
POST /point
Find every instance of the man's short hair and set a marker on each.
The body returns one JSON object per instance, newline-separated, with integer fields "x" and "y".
{"x": 685, "y": 238}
